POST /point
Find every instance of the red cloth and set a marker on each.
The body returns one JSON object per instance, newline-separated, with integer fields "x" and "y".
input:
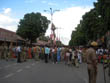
{"x": 13, "y": 55}
{"x": 104, "y": 57}
{"x": 29, "y": 53}
{"x": 99, "y": 58}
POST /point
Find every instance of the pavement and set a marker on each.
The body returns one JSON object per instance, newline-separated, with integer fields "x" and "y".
{"x": 33, "y": 71}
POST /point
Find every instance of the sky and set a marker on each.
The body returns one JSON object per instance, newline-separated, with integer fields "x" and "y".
{"x": 69, "y": 16}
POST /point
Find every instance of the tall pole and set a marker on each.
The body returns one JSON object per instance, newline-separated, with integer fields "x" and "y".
{"x": 51, "y": 11}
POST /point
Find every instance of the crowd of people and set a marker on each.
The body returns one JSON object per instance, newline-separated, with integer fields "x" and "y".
{"x": 68, "y": 55}
{"x": 103, "y": 55}
{"x": 71, "y": 56}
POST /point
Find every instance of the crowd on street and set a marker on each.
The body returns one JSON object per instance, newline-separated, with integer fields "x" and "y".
{"x": 71, "y": 56}
{"x": 68, "y": 55}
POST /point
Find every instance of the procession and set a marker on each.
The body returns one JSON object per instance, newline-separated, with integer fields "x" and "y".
{"x": 44, "y": 41}
{"x": 70, "y": 56}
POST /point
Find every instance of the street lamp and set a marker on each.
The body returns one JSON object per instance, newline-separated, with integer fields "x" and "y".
{"x": 51, "y": 11}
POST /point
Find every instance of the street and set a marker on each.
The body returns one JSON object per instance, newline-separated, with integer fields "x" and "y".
{"x": 40, "y": 72}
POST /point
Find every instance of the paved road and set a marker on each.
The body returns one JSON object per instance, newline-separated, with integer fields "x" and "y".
{"x": 40, "y": 72}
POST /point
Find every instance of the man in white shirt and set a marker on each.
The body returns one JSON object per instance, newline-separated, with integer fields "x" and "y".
{"x": 18, "y": 49}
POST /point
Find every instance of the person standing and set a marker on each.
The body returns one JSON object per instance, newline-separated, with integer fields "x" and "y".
{"x": 46, "y": 54}
{"x": 55, "y": 55}
{"x": 58, "y": 54}
{"x": 70, "y": 57}
{"x": 6, "y": 52}
{"x": 19, "y": 54}
{"x": 67, "y": 57}
{"x": 80, "y": 56}
{"x": 76, "y": 58}
{"x": 25, "y": 55}
{"x": 107, "y": 65}
{"x": 36, "y": 51}
{"x": 29, "y": 52}
{"x": 1, "y": 51}
{"x": 43, "y": 52}
{"x": 91, "y": 63}
{"x": 62, "y": 54}
{"x": 52, "y": 53}
{"x": 73, "y": 57}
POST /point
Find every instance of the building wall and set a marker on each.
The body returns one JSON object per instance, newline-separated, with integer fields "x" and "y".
{"x": 6, "y": 35}
{"x": 9, "y": 36}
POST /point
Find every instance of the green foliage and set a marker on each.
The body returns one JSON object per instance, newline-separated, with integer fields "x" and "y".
{"x": 94, "y": 24}
{"x": 103, "y": 8}
{"x": 59, "y": 43}
{"x": 32, "y": 26}
{"x": 78, "y": 38}
{"x": 44, "y": 38}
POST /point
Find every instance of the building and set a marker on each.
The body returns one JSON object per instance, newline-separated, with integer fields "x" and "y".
{"x": 9, "y": 36}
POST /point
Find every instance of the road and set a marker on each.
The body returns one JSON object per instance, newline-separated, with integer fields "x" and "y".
{"x": 40, "y": 72}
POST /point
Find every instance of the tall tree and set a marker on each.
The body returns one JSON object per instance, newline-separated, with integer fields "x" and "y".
{"x": 103, "y": 9}
{"x": 32, "y": 26}
{"x": 94, "y": 24}
{"x": 91, "y": 25}
{"x": 44, "y": 38}
{"x": 87, "y": 30}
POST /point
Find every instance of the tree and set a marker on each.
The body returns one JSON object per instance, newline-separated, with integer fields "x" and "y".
{"x": 90, "y": 28}
{"x": 77, "y": 37}
{"x": 103, "y": 9}
{"x": 44, "y": 38}
{"x": 94, "y": 24}
{"x": 32, "y": 26}
{"x": 91, "y": 25}
{"x": 59, "y": 43}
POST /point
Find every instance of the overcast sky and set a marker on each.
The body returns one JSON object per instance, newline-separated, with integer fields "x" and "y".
{"x": 69, "y": 16}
